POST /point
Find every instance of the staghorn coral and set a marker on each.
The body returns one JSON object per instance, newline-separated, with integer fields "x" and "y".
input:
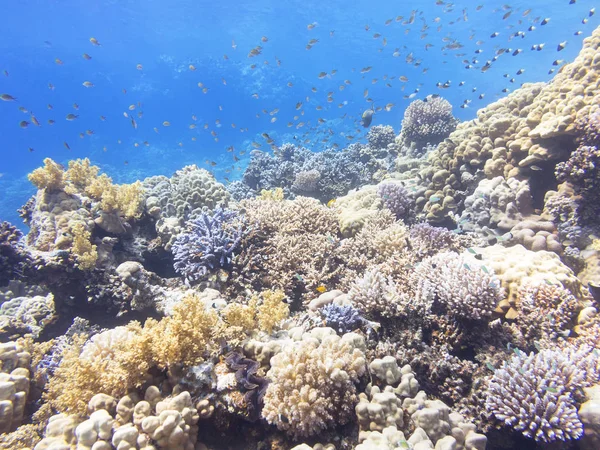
{"x": 380, "y": 136}
{"x": 536, "y": 393}
{"x": 207, "y": 244}
{"x": 466, "y": 289}
{"x": 50, "y": 177}
{"x": 313, "y": 382}
{"x": 427, "y": 121}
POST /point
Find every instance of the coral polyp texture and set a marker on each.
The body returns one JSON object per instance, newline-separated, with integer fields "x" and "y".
{"x": 207, "y": 244}
{"x": 435, "y": 287}
{"x": 313, "y": 382}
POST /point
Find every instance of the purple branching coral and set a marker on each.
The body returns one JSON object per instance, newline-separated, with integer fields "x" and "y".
{"x": 582, "y": 171}
{"x": 342, "y": 318}
{"x": 10, "y": 254}
{"x": 536, "y": 394}
{"x": 380, "y": 136}
{"x": 397, "y": 199}
{"x": 207, "y": 244}
{"x": 427, "y": 122}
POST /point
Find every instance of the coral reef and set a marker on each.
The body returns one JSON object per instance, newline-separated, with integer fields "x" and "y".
{"x": 415, "y": 292}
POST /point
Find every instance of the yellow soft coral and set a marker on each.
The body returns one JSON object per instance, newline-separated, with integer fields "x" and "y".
{"x": 77, "y": 379}
{"x": 80, "y": 175}
{"x": 49, "y": 177}
{"x": 86, "y": 252}
{"x": 272, "y": 194}
{"x": 272, "y": 310}
{"x": 183, "y": 337}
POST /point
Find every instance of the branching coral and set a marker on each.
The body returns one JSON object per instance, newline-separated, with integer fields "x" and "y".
{"x": 396, "y": 198}
{"x": 207, "y": 244}
{"x": 466, "y": 289}
{"x": 380, "y": 136}
{"x": 342, "y": 318}
{"x": 375, "y": 294}
{"x": 582, "y": 170}
{"x": 313, "y": 382}
{"x": 536, "y": 393}
{"x": 427, "y": 122}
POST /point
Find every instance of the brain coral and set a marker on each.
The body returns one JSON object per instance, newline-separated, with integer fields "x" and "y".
{"x": 313, "y": 382}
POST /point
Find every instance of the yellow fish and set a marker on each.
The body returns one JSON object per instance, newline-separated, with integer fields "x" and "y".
{"x": 321, "y": 289}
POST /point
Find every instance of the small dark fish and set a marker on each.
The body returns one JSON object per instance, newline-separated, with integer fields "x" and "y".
{"x": 66, "y": 146}
{"x": 367, "y": 117}
{"x": 494, "y": 34}
{"x": 561, "y": 46}
{"x": 545, "y": 21}
{"x": 520, "y": 71}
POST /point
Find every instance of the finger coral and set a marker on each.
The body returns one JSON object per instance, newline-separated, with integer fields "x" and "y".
{"x": 313, "y": 382}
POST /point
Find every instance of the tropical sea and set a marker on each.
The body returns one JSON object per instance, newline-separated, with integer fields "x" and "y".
{"x": 43, "y": 43}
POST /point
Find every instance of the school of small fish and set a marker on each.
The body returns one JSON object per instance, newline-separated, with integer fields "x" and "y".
{"x": 438, "y": 37}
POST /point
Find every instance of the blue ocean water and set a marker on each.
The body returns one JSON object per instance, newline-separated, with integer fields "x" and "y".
{"x": 188, "y": 63}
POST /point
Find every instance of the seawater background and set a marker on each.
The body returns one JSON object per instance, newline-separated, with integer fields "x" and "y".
{"x": 166, "y": 37}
